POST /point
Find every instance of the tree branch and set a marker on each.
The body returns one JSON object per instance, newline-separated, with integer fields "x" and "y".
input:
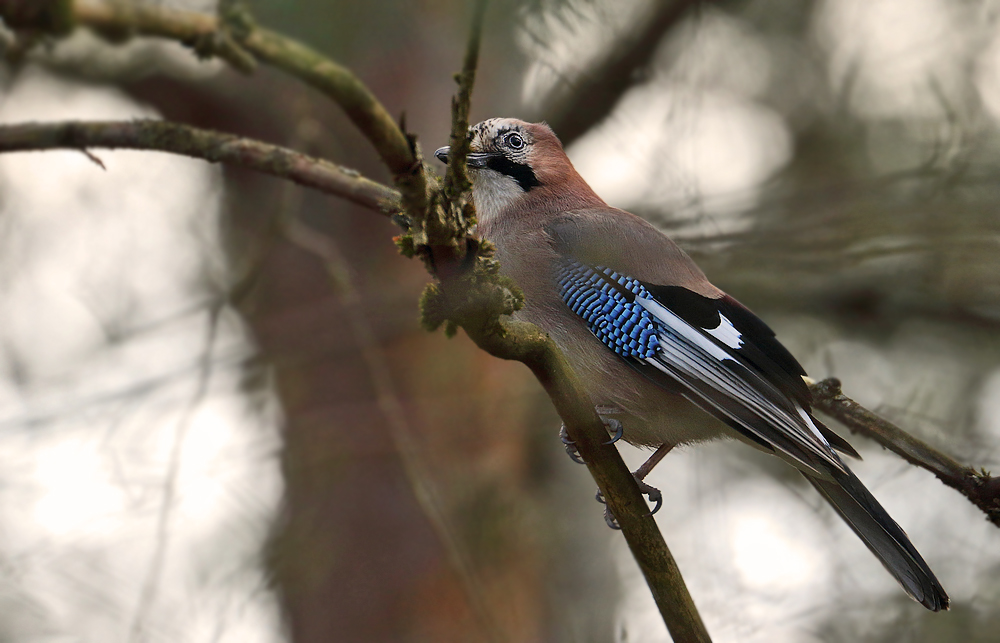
{"x": 239, "y": 41}
{"x": 528, "y": 344}
{"x": 215, "y": 147}
{"x": 978, "y": 486}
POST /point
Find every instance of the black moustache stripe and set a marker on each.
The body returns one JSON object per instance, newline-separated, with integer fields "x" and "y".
{"x": 520, "y": 172}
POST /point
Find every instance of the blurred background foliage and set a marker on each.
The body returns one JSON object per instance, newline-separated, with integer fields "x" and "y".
{"x": 195, "y": 445}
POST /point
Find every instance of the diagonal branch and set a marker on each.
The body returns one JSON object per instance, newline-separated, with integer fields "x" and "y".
{"x": 528, "y": 344}
{"x": 978, "y": 486}
{"x": 215, "y": 147}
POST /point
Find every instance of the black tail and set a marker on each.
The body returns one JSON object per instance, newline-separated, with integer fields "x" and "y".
{"x": 884, "y": 537}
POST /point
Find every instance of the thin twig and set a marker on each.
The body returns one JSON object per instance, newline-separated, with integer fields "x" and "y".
{"x": 147, "y": 595}
{"x": 287, "y": 54}
{"x": 456, "y": 180}
{"x": 978, "y": 486}
{"x": 215, "y": 147}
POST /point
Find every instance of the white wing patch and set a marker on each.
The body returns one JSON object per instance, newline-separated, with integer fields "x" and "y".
{"x": 726, "y": 333}
{"x": 678, "y": 325}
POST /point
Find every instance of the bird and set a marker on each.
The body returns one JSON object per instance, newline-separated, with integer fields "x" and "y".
{"x": 658, "y": 348}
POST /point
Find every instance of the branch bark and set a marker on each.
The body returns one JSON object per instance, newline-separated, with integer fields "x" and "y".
{"x": 526, "y": 343}
{"x": 978, "y": 486}
{"x": 215, "y": 147}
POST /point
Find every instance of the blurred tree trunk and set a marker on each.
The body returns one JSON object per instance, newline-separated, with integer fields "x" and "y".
{"x": 353, "y": 556}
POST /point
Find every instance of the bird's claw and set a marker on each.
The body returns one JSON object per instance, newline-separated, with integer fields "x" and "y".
{"x": 609, "y": 518}
{"x": 615, "y": 425}
{"x": 655, "y": 496}
{"x": 571, "y": 450}
{"x": 570, "y": 445}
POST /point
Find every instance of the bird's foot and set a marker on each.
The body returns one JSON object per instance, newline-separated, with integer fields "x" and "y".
{"x": 571, "y": 450}
{"x": 654, "y": 495}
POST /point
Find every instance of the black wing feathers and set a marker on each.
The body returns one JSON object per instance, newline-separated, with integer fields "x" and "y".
{"x": 760, "y": 348}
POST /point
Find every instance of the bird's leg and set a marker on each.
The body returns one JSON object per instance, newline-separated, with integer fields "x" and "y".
{"x": 650, "y": 491}
{"x": 653, "y": 460}
{"x": 611, "y": 423}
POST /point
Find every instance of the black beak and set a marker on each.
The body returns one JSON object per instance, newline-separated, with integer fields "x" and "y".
{"x": 474, "y": 160}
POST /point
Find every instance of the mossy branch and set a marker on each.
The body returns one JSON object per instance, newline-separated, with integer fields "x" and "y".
{"x": 215, "y": 147}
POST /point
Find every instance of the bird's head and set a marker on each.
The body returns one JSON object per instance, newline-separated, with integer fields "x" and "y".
{"x": 514, "y": 164}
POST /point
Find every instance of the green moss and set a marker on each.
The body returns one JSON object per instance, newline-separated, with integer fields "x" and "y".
{"x": 432, "y": 309}
{"x": 407, "y": 247}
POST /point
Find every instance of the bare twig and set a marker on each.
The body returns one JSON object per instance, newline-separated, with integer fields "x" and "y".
{"x": 456, "y": 180}
{"x": 215, "y": 147}
{"x": 526, "y": 343}
{"x": 444, "y": 236}
{"x": 978, "y": 486}
{"x": 151, "y": 581}
{"x": 590, "y": 98}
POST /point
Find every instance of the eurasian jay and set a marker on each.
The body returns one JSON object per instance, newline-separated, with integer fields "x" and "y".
{"x": 654, "y": 342}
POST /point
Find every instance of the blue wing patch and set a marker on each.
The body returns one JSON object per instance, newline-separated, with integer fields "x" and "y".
{"x": 606, "y": 301}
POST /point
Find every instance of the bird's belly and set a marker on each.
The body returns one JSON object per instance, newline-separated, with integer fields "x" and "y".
{"x": 650, "y": 414}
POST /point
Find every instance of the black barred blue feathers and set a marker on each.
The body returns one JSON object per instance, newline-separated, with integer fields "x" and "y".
{"x": 606, "y": 301}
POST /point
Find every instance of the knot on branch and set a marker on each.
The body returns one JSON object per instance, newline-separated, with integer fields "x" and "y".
{"x": 828, "y": 389}
{"x": 49, "y": 16}
{"x": 234, "y": 26}
{"x": 474, "y": 299}
{"x": 471, "y": 292}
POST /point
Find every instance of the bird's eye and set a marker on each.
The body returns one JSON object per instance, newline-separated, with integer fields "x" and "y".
{"x": 515, "y": 142}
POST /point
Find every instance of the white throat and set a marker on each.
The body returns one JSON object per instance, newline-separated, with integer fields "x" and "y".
{"x": 492, "y": 193}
